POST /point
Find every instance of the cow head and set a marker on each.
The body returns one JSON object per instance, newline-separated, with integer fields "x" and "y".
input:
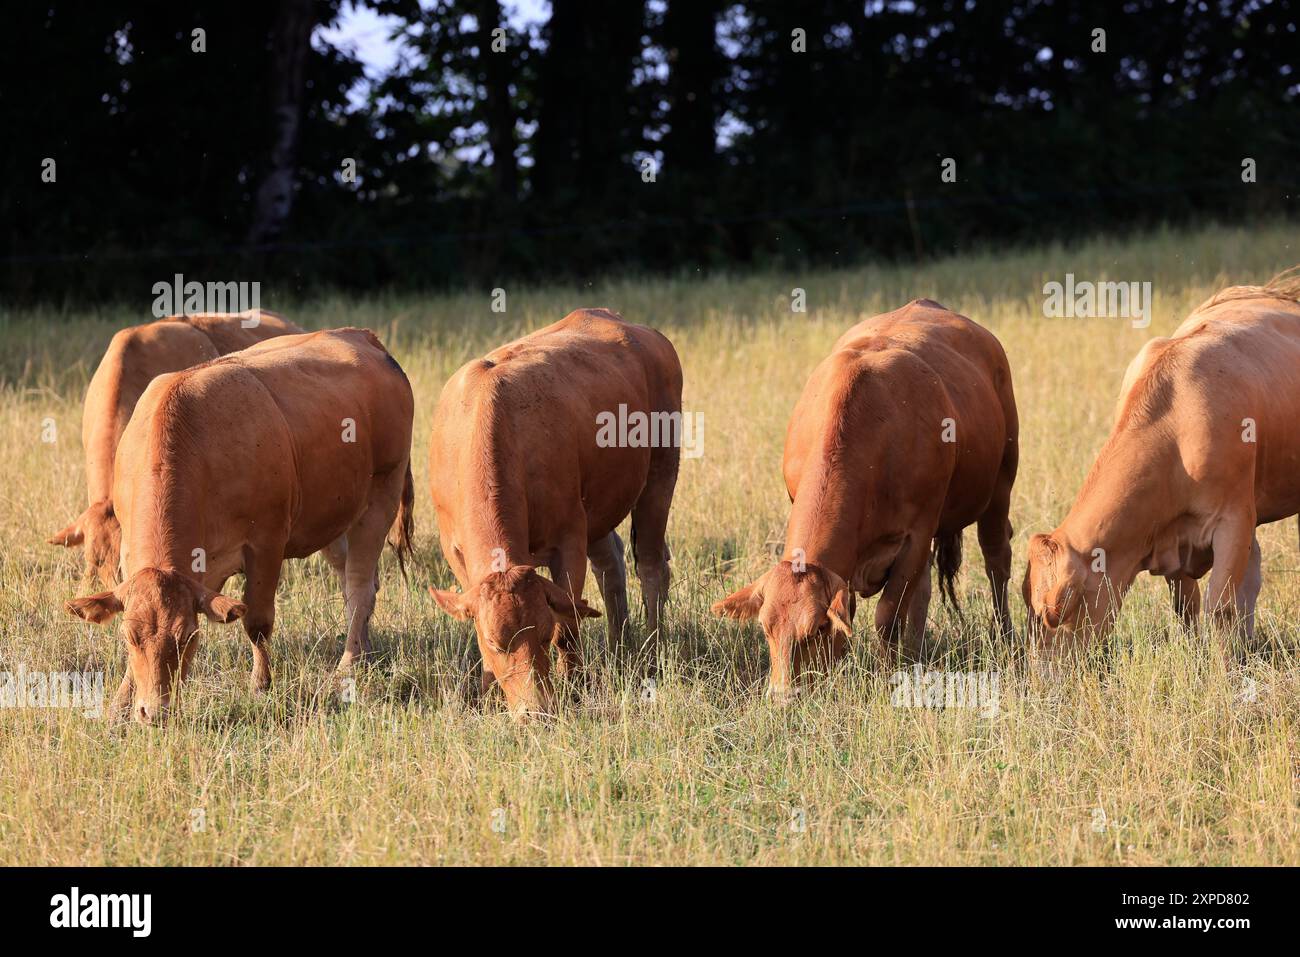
{"x": 806, "y": 616}
{"x": 98, "y": 532}
{"x": 1068, "y": 602}
{"x": 160, "y": 626}
{"x": 515, "y": 614}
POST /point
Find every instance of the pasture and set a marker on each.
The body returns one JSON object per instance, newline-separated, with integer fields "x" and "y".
{"x": 1150, "y": 752}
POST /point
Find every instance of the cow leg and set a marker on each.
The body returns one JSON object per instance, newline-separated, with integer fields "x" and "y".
{"x": 261, "y": 578}
{"x": 1225, "y": 593}
{"x": 1250, "y": 586}
{"x": 456, "y": 561}
{"x": 1185, "y": 594}
{"x": 336, "y": 553}
{"x": 918, "y": 610}
{"x": 649, "y": 527}
{"x": 994, "y": 529}
{"x": 569, "y": 571}
{"x": 361, "y": 574}
{"x": 610, "y": 570}
{"x": 893, "y": 609}
{"x": 120, "y": 708}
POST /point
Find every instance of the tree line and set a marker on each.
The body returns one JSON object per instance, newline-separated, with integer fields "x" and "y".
{"x": 236, "y": 141}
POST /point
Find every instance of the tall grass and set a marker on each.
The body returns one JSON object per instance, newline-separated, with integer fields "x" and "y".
{"x": 1149, "y": 752}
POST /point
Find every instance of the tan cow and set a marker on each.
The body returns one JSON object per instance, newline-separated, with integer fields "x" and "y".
{"x": 903, "y": 436}
{"x": 134, "y": 357}
{"x": 296, "y": 445}
{"x": 1204, "y": 449}
{"x": 524, "y": 474}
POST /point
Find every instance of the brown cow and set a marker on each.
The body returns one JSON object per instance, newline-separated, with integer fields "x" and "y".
{"x": 522, "y": 476}
{"x": 903, "y": 436}
{"x": 1203, "y": 450}
{"x": 296, "y": 445}
{"x": 135, "y": 356}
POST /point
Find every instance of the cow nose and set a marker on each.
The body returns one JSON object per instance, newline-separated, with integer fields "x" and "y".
{"x": 143, "y": 714}
{"x": 526, "y": 712}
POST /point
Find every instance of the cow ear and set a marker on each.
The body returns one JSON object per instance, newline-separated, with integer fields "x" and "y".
{"x": 216, "y": 606}
{"x": 565, "y": 606}
{"x": 1053, "y": 589}
{"x": 71, "y": 537}
{"x": 743, "y": 604}
{"x": 1059, "y": 604}
{"x": 460, "y": 607}
{"x": 221, "y": 609}
{"x": 841, "y": 612}
{"x": 97, "y": 608}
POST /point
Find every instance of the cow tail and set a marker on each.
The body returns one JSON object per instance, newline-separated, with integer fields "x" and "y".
{"x": 947, "y": 559}
{"x": 404, "y": 526}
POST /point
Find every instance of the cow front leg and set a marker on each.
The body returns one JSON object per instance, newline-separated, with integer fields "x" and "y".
{"x": 895, "y": 619}
{"x": 1226, "y": 595}
{"x": 336, "y": 554}
{"x": 569, "y": 571}
{"x": 261, "y": 578}
{"x": 610, "y": 571}
{"x": 120, "y": 708}
{"x": 1250, "y": 586}
{"x": 1185, "y": 594}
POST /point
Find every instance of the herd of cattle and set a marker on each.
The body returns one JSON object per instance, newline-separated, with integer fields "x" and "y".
{"x": 218, "y": 444}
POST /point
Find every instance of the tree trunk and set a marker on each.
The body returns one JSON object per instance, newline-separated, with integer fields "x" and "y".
{"x": 294, "y": 22}
{"x": 495, "y": 72}
{"x": 695, "y": 69}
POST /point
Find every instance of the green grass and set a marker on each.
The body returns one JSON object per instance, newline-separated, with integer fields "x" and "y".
{"x": 1151, "y": 738}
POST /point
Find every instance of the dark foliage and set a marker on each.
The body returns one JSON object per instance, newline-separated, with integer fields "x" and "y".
{"x": 475, "y": 166}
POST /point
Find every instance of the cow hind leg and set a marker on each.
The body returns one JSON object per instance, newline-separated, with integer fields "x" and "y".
{"x": 365, "y": 543}
{"x": 610, "y": 571}
{"x": 649, "y": 528}
{"x": 994, "y": 532}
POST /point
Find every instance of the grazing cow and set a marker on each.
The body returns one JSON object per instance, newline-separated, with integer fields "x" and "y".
{"x": 296, "y": 445}
{"x": 135, "y": 356}
{"x": 903, "y": 436}
{"x": 523, "y": 474}
{"x": 1204, "y": 449}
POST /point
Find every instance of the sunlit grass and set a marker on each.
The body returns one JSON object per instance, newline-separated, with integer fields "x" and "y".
{"x": 1150, "y": 752}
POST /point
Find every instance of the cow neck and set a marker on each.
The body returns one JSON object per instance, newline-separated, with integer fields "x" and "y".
{"x": 494, "y": 530}
{"x": 495, "y": 533}
{"x": 1124, "y": 503}
{"x": 167, "y": 524}
{"x": 824, "y": 523}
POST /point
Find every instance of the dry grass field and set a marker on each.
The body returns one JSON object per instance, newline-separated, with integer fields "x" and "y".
{"x": 1151, "y": 752}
